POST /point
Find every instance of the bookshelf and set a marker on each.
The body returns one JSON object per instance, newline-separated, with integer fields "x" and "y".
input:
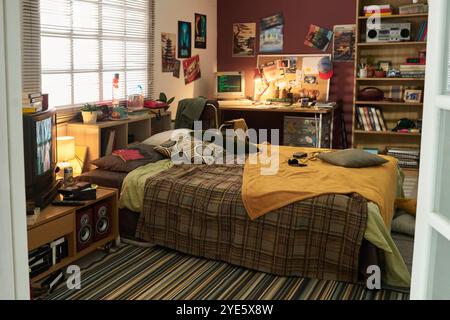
{"x": 396, "y": 53}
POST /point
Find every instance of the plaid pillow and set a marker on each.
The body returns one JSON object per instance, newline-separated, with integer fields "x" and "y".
{"x": 188, "y": 150}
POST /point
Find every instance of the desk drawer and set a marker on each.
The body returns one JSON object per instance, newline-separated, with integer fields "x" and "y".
{"x": 50, "y": 231}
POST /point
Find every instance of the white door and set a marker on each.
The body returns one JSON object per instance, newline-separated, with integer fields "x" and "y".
{"x": 14, "y": 280}
{"x": 431, "y": 264}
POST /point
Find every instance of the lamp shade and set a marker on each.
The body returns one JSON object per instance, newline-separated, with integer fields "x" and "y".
{"x": 66, "y": 148}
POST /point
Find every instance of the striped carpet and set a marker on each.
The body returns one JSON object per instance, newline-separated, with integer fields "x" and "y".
{"x": 156, "y": 273}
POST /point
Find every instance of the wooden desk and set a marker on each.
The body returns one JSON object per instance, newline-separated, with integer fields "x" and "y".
{"x": 274, "y": 117}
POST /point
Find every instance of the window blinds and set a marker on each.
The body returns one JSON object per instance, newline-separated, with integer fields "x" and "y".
{"x": 85, "y": 42}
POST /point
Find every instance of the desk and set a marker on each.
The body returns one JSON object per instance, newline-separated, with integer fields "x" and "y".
{"x": 277, "y": 117}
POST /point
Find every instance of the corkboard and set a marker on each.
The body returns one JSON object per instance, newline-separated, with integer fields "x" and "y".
{"x": 296, "y": 72}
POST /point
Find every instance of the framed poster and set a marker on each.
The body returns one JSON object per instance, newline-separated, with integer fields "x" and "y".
{"x": 200, "y": 31}
{"x": 184, "y": 39}
{"x": 344, "y": 43}
{"x": 244, "y": 39}
{"x": 168, "y": 51}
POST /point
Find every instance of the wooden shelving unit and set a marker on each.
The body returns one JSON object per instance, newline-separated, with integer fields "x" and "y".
{"x": 396, "y": 53}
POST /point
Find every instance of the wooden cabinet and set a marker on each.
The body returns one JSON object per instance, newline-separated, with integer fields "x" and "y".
{"x": 135, "y": 129}
{"x": 56, "y": 222}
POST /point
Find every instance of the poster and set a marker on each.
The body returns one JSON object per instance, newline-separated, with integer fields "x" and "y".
{"x": 318, "y": 37}
{"x": 244, "y": 39}
{"x": 191, "y": 69}
{"x": 344, "y": 43}
{"x": 176, "y": 69}
{"x": 200, "y": 31}
{"x": 168, "y": 51}
{"x": 271, "y": 34}
{"x": 184, "y": 39}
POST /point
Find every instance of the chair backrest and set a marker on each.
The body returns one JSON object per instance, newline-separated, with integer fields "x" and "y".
{"x": 210, "y": 116}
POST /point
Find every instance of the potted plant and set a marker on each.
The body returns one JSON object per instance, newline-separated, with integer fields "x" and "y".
{"x": 370, "y": 66}
{"x": 89, "y": 113}
{"x": 380, "y": 73}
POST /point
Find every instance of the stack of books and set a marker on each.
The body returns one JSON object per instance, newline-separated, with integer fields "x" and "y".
{"x": 34, "y": 103}
{"x": 407, "y": 157}
{"x": 422, "y": 32}
{"x": 412, "y": 70}
{"x": 371, "y": 119}
{"x": 413, "y": 8}
{"x": 383, "y": 10}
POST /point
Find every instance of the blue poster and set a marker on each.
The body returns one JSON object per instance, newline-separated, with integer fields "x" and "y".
{"x": 184, "y": 39}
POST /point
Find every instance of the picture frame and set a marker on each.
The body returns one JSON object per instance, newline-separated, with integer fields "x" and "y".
{"x": 413, "y": 96}
{"x": 385, "y": 65}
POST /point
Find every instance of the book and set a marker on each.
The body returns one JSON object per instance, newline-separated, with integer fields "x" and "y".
{"x": 376, "y": 120}
{"x": 381, "y": 119}
{"x": 110, "y": 142}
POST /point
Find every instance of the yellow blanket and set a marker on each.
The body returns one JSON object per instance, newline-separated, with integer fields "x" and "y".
{"x": 264, "y": 193}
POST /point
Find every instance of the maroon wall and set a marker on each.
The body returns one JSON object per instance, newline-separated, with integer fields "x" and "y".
{"x": 298, "y": 14}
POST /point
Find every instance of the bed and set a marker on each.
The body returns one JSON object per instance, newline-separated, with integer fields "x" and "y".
{"x": 198, "y": 210}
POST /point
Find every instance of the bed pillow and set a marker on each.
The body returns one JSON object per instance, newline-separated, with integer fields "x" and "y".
{"x": 162, "y": 137}
{"x": 189, "y": 150}
{"x": 405, "y": 224}
{"x": 116, "y": 164}
{"x": 352, "y": 158}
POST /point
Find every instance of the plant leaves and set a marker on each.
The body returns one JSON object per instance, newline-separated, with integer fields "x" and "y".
{"x": 171, "y": 100}
{"x": 162, "y": 97}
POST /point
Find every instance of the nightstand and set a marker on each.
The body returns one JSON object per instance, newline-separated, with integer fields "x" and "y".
{"x": 98, "y": 218}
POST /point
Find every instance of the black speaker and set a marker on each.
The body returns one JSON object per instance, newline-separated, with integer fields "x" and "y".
{"x": 84, "y": 220}
{"x": 102, "y": 220}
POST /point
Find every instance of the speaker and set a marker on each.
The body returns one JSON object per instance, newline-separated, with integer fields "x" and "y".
{"x": 84, "y": 220}
{"x": 102, "y": 220}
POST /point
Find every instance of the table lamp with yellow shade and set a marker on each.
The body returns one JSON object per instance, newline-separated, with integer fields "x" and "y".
{"x": 65, "y": 153}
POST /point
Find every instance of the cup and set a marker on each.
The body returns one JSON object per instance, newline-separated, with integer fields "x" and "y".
{"x": 304, "y": 102}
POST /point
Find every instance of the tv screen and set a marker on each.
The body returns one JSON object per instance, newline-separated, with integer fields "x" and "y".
{"x": 229, "y": 83}
{"x": 44, "y": 145}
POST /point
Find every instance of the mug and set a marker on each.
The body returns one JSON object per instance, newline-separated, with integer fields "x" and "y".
{"x": 304, "y": 102}
{"x": 363, "y": 73}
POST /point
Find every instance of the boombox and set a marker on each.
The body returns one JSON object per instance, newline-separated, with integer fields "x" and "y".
{"x": 391, "y": 32}
{"x": 84, "y": 220}
{"x": 102, "y": 220}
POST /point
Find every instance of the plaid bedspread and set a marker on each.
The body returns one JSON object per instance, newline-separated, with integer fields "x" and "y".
{"x": 198, "y": 210}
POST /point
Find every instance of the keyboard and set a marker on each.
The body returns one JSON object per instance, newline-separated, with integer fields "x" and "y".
{"x": 243, "y": 102}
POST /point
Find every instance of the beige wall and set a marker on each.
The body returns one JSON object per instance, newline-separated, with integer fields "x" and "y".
{"x": 168, "y": 13}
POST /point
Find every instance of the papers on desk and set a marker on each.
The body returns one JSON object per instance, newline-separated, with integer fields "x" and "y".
{"x": 325, "y": 104}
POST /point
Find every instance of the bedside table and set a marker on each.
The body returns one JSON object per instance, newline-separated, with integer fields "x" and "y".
{"x": 96, "y": 224}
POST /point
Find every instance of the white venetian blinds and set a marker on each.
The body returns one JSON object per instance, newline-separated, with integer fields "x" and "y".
{"x": 85, "y": 42}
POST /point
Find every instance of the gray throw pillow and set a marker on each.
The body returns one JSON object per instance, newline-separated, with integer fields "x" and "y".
{"x": 352, "y": 158}
{"x": 405, "y": 224}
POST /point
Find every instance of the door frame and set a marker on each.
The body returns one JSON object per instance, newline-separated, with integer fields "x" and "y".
{"x": 14, "y": 275}
{"x": 429, "y": 223}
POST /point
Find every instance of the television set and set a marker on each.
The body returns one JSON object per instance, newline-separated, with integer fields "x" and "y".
{"x": 40, "y": 157}
{"x": 230, "y": 85}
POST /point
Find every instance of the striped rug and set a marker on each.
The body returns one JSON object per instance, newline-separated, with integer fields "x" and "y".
{"x": 155, "y": 273}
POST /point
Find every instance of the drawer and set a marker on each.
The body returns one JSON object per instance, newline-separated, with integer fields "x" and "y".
{"x": 50, "y": 231}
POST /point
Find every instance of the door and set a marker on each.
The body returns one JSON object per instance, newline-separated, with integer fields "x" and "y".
{"x": 431, "y": 263}
{"x": 14, "y": 280}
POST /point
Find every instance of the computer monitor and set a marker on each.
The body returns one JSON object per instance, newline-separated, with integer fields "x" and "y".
{"x": 230, "y": 85}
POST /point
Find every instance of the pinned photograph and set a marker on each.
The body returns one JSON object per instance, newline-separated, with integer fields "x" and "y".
{"x": 244, "y": 39}
{"x": 176, "y": 69}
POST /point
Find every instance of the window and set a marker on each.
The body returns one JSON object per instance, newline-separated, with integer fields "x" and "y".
{"x": 83, "y": 43}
